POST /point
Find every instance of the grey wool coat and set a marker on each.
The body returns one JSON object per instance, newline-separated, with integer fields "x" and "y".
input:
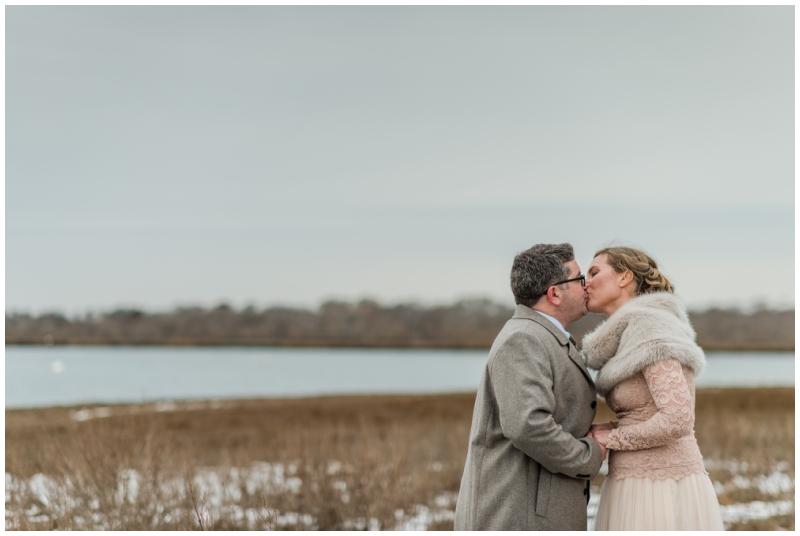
{"x": 528, "y": 462}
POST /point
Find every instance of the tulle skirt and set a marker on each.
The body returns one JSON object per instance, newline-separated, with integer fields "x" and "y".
{"x": 647, "y": 504}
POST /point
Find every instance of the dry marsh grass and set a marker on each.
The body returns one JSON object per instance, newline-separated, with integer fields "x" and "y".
{"x": 331, "y": 463}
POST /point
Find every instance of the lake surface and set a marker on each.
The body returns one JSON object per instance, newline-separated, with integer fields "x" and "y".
{"x": 40, "y": 376}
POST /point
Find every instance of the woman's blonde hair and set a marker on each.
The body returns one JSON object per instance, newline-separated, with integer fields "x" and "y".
{"x": 644, "y": 269}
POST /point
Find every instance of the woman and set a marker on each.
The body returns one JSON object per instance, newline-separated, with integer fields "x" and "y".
{"x": 647, "y": 361}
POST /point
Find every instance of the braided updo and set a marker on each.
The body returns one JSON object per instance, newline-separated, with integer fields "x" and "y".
{"x": 645, "y": 270}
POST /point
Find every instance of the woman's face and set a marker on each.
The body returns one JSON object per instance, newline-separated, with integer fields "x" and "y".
{"x": 605, "y": 290}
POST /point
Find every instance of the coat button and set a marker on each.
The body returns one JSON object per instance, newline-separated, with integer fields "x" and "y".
{"x": 594, "y": 404}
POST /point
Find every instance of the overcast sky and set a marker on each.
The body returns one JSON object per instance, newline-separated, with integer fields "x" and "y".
{"x": 164, "y": 156}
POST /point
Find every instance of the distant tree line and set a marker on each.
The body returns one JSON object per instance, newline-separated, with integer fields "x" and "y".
{"x": 464, "y": 324}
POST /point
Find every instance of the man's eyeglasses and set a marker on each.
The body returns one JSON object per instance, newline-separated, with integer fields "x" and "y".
{"x": 581, "y": 278}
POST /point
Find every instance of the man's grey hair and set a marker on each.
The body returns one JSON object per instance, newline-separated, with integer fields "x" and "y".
{"x": 536, "y": 269}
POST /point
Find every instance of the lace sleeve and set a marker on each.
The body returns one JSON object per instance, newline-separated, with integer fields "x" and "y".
{"x": 674, "y": 418}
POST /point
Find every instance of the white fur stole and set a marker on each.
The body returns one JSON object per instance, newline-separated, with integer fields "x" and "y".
{"x": 647, "y": 329}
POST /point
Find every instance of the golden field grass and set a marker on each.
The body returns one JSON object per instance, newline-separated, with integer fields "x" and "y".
{"x": 329, "y": 463}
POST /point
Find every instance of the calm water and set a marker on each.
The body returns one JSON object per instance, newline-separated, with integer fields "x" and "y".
{"x": 56, "y": 375}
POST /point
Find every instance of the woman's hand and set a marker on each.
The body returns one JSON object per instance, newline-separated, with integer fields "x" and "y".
{"x": 601, "y": 436}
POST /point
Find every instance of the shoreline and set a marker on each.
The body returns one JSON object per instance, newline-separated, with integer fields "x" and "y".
{"x": 108, "y": 409}
{"x": 193, "y": 404}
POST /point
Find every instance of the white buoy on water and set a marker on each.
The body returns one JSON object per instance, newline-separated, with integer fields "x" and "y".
{"x": 57, "y": 367}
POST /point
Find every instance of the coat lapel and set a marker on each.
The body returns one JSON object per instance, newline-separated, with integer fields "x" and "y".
{"x": 576, "y": 358}
{"x": 574, "y": 355}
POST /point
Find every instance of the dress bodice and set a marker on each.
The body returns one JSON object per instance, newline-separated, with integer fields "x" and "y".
{"x": 655, "y": 433}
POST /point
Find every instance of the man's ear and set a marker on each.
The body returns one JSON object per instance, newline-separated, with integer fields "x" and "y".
{"x": 554, "y": 295}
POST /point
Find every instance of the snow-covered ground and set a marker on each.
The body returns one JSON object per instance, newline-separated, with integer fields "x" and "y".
{"x": 222, "y": 490}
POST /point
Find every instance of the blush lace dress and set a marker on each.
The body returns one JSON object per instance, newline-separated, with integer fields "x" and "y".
{"x": 656, "y": 479}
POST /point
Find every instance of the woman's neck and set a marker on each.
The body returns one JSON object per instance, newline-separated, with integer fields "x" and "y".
{"x": 619, "y": 302}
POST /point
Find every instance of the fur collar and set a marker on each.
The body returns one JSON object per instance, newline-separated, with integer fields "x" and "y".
{"x": 647, "y": 329}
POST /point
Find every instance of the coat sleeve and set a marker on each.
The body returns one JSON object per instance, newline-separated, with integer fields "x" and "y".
{"x": 522, "y": 380}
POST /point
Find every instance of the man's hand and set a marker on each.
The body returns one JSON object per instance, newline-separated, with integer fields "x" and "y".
{"x": 599, "y": 432}
{"x": 601, "y": 436}
{"x": 603, "y": 449}
{"x": 604, "y": 452}
{"x": 602, "y": 426}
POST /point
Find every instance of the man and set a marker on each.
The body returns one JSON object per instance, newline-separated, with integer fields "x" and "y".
{"x": 529, "y": 462}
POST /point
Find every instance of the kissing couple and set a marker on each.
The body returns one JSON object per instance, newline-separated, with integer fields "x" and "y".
{"x": 533, "y": 448}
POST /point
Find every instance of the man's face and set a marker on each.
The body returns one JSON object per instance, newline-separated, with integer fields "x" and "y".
{"x": 573, "y": 303}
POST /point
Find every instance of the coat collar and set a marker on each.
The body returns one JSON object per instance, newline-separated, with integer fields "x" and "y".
{"x": 523, "y": 311}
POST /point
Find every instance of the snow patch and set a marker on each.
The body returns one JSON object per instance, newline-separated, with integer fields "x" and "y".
{"x": 755, "y": 510}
